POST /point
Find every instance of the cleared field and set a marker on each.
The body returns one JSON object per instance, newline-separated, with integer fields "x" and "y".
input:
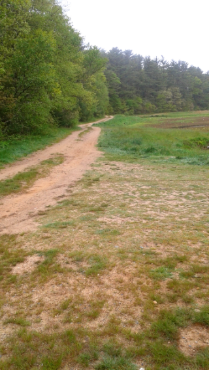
{"x": 195, "y": 121}
{"x": 116, "y": 276}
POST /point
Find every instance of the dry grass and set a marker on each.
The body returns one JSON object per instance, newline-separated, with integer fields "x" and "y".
{"x": 129, "y": 242}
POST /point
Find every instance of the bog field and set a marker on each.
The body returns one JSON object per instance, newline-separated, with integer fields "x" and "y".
{"x": 116, "y": 274}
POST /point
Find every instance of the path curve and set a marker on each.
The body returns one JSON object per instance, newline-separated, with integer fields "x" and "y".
{"x": 18, "y": 210}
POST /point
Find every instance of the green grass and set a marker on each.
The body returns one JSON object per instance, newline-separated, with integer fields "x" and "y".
{"x": 115, "y": 363}
{"x": 156, "y": 347}
{"x": 44, "y": 350}
{"x": 59, "y": 225}
{"x": 24, "y": 180}
{"x": 19, "y": 147}
{"x": 17, "y": 321}
{"x": 161, "y": 273}
{"x": 48, "y": 263}
{"x": 17, "y": 183}
{"x": 131, "y": 138}
{"x": 97, "y": 264}
{"x": 84, "y": 132}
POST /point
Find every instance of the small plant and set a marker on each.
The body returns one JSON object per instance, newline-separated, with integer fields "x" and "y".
{"x": 115, "y": 363}
{"x": 97, "y": 263}
{"x": 58, "y": 225}
{"x": 65, "y": 304}
{"x": 17, "y": 321}
{"x": 202, "y": 317}
{"x": 161, "y": 273}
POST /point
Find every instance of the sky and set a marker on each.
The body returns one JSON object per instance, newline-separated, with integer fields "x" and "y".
{"x": 176, "y": 29}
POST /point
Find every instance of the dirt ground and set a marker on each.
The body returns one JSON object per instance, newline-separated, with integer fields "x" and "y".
{"x": 193, "y": 123}
{"x": 18, "y": 210}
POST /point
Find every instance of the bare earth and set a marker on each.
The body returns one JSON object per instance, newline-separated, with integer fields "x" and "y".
{"x": 18, "y": 210}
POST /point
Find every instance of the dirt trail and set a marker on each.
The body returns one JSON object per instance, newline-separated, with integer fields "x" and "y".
{"x": 18, "y": 210}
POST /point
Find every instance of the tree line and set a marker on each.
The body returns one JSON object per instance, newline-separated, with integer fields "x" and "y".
{"x": 49, "y": 77}
{"x": 140, "y": 84}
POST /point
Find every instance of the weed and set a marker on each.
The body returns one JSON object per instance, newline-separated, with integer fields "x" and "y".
{"x": 17, "y": 321}
{"x": 59, "y": 225}
{"x": 161, "y": 273}
{"x": 87, "y": 357}
{"x": 65, "y": 304}
{"x": 115, "y": 363}
{"x": 163, "y": 354}
{"x": 202, "y": 317}
{"x": 84, "y": 132}
{"x": 48, "y": 266}
{"x": 10, "y": 255}
{"x": 97, "y": 263}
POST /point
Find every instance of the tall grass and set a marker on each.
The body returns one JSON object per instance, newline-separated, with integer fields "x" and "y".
{"x": 132, "y": 138}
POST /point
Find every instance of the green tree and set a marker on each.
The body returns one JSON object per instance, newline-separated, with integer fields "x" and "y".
{"x": 94, "y": 103}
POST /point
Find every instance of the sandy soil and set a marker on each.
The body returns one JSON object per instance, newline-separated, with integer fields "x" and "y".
{"x": 193, "y": 338}
{"x": 18, "y": 210}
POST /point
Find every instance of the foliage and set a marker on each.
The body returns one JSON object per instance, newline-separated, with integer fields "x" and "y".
{"x": 17, "y": 146}
{"x": 143, "y": 85}
{"x": 46, "y": 76}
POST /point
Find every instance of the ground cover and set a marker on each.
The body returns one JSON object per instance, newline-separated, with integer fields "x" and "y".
{"x": 116, "y": 277}
{"x": 25, "y": 179}
{"x": 130, "y": 139}
{"x": 18, "y": 147}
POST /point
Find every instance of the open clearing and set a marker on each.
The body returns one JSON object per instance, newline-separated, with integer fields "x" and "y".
{"x": 112, "y": 274}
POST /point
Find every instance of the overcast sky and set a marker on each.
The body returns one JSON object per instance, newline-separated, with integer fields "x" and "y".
{"x": 176, "y": 29}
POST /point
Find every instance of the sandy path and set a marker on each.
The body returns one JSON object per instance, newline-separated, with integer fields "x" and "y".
{"x": 18, "y": 210}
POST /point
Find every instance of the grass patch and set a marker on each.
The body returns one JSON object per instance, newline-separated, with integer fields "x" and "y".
{"x": 97, "y": 264}
{"x": 24, "y": 180}
{"x": 16, "y": 148}
{"x": 59, "y": 225}
{"x": 10, "y": 255}
{"x": 17, "y": 321}
{"x": 130, "y": 138}
{"x": 115, "y": 363}
{"x": 155, "y": 348}
{"x": 48, "y": 267}
{"x": 31, "y": 349}
{"x": 18, "y": 182}
{"x": 84, "y": 132}
{"x": 161, "y": 273}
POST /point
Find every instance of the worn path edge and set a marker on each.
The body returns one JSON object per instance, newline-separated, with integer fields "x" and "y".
{"x": 18, "y": 211}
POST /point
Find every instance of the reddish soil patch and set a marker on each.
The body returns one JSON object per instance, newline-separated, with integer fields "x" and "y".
{"x": 194, "y": 122}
